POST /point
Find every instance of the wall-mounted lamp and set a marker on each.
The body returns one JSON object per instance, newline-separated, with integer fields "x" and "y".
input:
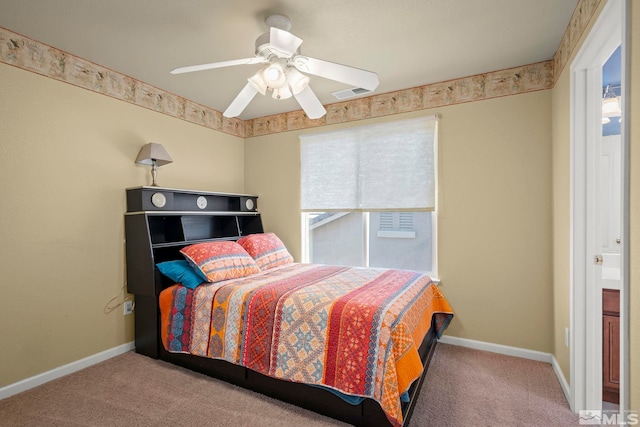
{"x": 155, "y": 155}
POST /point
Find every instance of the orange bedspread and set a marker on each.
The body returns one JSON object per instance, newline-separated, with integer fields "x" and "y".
{"x": 355, "y": 330}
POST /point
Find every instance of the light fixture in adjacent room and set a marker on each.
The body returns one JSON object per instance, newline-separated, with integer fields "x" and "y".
{"x": 155, "y": 155}
{"x": 610, "y": 105}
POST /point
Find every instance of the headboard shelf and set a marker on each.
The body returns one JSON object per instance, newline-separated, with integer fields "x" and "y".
{"x": 141, "y": 199}
{"x": 171, "y": 219}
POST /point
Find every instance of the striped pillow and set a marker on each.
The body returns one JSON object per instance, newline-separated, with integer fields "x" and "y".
{"x": 220, "y": 260}
{"x": 266, "y": 249}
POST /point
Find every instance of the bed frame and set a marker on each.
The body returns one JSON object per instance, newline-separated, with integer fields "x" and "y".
{"x": 161, "y": 221}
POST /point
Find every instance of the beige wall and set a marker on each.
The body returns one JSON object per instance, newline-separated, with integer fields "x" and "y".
{"x": 561, "y": 219}
{"x": 495, "y": 212}
{"x": 66, "y": 156}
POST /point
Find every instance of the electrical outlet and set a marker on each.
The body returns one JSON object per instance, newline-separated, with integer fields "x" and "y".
{"x": 566, "y": 337}
{"x": 128, "y": 307}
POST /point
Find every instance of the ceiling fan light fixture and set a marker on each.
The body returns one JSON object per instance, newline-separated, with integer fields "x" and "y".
{"x": 258, "y": 83}
{"x": 297, "y": 81}
{"x": 274, "y": 75}
{"x": 282, "y": 93}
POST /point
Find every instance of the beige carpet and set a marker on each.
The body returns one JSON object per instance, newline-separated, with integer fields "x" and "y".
{"x": 463, "y": 388}
{"x": 466, "y": 387}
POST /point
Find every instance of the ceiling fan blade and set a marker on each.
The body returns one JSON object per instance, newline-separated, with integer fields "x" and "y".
{"x": 284, "y": 41}
{"x": 310, "y": 103}
{"x": 241, "y": 101}
{"x": 340, "y": 73}
{"x": 245, "y": 61}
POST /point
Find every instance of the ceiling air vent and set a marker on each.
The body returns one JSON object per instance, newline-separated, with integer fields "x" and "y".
{"x": 350, "y": 93}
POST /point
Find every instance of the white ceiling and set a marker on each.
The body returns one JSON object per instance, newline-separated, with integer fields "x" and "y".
{"x": 407, "y": 42}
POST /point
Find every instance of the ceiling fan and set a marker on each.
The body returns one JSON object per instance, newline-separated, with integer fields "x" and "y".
{"x": 283, "y": 75}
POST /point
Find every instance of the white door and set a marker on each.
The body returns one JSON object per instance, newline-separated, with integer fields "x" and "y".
{"x": 589, "y": 234}
{"x": 610, "y": 188}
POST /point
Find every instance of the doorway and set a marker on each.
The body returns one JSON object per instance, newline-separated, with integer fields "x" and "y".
{"x": 609, "y": 216}
{"x": 591, "y": 224}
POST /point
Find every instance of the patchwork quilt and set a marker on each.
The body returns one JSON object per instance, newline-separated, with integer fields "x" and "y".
{"x": 354, "y": 330}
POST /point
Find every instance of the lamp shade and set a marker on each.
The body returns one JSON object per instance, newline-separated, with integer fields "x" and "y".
{"x": 611, "y": 107}
{"x": 274, "y": 75}
{"x": 281, "y": 93}
{"x": 258, "y": 83}
{"x": 153, "y": 152}
{"x": 297, "y": 81}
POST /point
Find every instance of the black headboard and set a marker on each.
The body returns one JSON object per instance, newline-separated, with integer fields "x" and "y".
{"x": 161, "y": 221}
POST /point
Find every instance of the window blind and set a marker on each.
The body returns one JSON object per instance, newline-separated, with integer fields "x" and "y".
{"x": 386, "y": 166}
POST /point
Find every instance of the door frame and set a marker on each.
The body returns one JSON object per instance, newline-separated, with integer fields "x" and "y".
{"x": 610, "y": 30}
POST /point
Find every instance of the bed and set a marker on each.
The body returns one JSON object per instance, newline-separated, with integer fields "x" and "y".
{"x": 350, "y": 343}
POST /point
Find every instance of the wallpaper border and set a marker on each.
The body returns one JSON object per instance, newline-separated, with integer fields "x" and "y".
{"x": 28, "y": 54}
{"x": 582, "y": 15}
{"x": 512, "y": 81}
{"x": 31, "y": 55}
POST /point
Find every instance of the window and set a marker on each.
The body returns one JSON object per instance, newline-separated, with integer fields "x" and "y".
{"x": 368, "y": 195}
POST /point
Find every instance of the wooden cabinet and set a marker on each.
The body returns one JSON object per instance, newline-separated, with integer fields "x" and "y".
{"x": 611, "y": 345}
{"x": 161, "y": 221}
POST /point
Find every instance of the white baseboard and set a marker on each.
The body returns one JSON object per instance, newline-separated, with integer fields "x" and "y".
{"x": 513, "y": 351}
{"x": 563, "y": 381}
{"x": 497, "y": 348}
{"x": 61, "y": 371}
